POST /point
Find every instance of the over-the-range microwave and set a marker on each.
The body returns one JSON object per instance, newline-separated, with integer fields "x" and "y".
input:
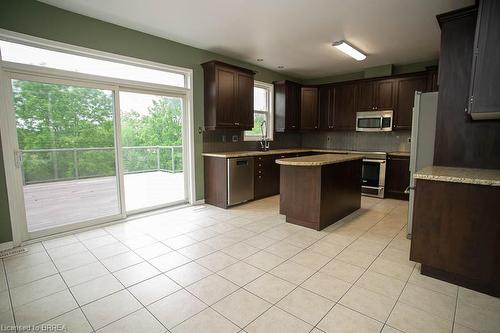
{"x": 374, "y": 121}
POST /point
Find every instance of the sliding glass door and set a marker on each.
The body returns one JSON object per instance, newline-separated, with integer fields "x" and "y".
{"x": 67, "y": 153}
{"x": 152, "y": 150}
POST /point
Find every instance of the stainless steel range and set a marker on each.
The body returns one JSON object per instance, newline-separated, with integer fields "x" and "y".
{"x": 373, "y": 175}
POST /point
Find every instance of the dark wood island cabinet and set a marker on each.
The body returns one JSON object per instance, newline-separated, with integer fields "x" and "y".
{"x": 316, "y": 191}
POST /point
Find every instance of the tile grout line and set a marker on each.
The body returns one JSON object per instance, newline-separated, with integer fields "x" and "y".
{"x": 10, "y": 296}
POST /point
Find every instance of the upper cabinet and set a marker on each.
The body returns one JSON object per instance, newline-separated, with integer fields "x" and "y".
{"x": 309, "y": 108}
{"x": 377, "y": 95}
{"x": 286, "y": 106}
{"x": 484, "y": 100}
{"x": 345, "y": 96}
{"x": 406, "y": 88}
{"x": 228, "y": 96}
{"x": 326, "y": 107}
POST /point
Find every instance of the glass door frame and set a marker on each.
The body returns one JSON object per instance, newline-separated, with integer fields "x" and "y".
{"x": 14, "y": 173}
{"x": 184, "y": 151}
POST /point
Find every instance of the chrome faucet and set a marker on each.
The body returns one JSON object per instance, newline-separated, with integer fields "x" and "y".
{"x": 264, "y": 143}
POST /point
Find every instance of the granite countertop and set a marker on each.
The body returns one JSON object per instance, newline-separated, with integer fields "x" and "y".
{"x": 319, "y": 160}
{"x": 399, "y": 153}
{"x": 247, "y": 153}
{"x": 460, "y": 175}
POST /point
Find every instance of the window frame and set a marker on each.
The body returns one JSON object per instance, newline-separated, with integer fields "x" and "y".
{"x": 269, "y": 87}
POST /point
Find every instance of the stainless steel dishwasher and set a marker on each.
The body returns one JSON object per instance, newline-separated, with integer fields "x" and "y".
{"x": 239, "y": 180}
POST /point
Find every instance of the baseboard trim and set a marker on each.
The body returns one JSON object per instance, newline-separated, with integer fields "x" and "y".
{"x": 6, "y": 246}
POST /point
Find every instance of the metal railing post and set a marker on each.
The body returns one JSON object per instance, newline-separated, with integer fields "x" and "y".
{"x": 75, "y": 163}
{"x": 173, "y": 160}
{"x": 157, "y": 158}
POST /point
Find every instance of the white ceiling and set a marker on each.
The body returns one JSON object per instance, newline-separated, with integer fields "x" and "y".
{"x": 296, "y": 34}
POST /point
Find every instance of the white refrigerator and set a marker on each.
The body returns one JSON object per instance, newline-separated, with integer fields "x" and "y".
{"x": 423, "y": 134}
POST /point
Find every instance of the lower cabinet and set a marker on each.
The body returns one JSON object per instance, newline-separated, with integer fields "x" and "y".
{"x": 267, "y": 176}
{"x": 397, "y": 177}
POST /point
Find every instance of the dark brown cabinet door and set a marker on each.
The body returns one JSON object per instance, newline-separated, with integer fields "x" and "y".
{"x": 326, "y": 107}
{"x": 406, "y": 88}
{"x": 344, "y": 106}
{"x": 244, "y": 101}
{"x": 226, "y": 99}
{"x": 228, "y": 96}
{"x": 397, "y": 177}
{"x": 266, "y": 178}
{"x": 366, "y": 97}
{"x": 484, "y": 102}
{"x": 385, "y": 93}
{"x": 309, "y": 108}
{"x": 286, "y": 106}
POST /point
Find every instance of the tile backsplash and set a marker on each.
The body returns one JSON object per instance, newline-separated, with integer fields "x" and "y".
{"x": 221, "y": 140}
{"x": 362, "y": 141}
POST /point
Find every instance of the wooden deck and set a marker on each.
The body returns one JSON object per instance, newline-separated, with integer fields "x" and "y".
{"x": 58, "y": 203}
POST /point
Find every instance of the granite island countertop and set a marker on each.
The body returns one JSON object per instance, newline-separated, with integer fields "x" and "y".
{"x": 318, "y": 160}
{"x": 248, "y": 153}
{"x": 459, "y": 175}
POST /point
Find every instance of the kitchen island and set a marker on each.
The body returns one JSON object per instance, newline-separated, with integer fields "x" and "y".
{"x": 318, "y": 190}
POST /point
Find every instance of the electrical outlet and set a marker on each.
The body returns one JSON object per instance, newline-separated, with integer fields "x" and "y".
{"x": 235, "y": 138}
{"x": 223, "y": 138}
{"x": 409, "y": 139}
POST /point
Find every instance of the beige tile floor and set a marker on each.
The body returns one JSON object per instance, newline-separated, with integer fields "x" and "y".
{"x": 205, "y": 269}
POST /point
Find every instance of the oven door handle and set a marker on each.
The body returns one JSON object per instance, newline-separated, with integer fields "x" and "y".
{"x": 376, "y": 161}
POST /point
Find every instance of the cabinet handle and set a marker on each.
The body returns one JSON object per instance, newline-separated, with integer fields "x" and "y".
{"x": 236, "y": 124}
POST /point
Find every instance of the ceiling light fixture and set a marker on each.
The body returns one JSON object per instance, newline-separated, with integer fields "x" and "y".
{"x": 349, "y": 50}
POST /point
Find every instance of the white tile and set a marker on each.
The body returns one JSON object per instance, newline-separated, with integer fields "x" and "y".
{"x": 216, "y": 261}
{"x": 153, "y": 250}
{"x": 327, "y": 286}
{"x": 139, "y": 241}
{"x": 66, "y": 250}
{"x": 188, "y": 273}
{"x": 91, "y": 234}
{"x": 135, "y": 274}
{"x": 110, "y": 308}
{"x": 60, "y": 241}
{"x": 310, "y": 259}
{"x": 95, "y": 242}
{"x": 196, "y": 251}
{"x": 283, "y": 249}
{"x": 240, "y": 250}
{"x": 25, "y": 261}
{"x": 260, "y": 241}
{"x": 179, "y": 242}
{"x": 241, "y": 307}
{"x": 94, "y": 289}
{"x": 369, "y": 303}
{"x": 343, "y": 320}
{"x": 154, "y": 289}
{"x": 381, "y": 284}
{"x": 169, "y": 261}
{"x": 74, "y": 261}
{"x": 276, "y": 320}
{"x": 84, "y": 273}
{"x": 409, "y": 319}
{"x": 45, "y": 308}
{"x": 109, "y": 250}
{"x": 435, "y": 303}
{"x": 121, "y": 261}
{"x": 478, "y": 311}
{"x": 207, "y": 321}
{"x": 37, "y": 289}
{"x": 139, "y": 321}
{"x": 292, "y": 272}
{"x": 23, "y": 276}
{"x": 356, "y": 258}
{"x": 432, "y": 284}
{"x": 73, "y": 321}
{"x": 344, "y": 271}
{"x": 270, "y": 287}
{"x": 264, "y": 260}
{"x": 212, "y": 288}
{"x": 174, "y": 309}
{"x": 392, "y": 269}
{"x": 240, "y": 273}
{"x": 326, "y": 248}
{"x": 306, "y": 305}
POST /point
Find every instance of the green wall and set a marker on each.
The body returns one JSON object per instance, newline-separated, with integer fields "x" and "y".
{"x": 41, "y": 20}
